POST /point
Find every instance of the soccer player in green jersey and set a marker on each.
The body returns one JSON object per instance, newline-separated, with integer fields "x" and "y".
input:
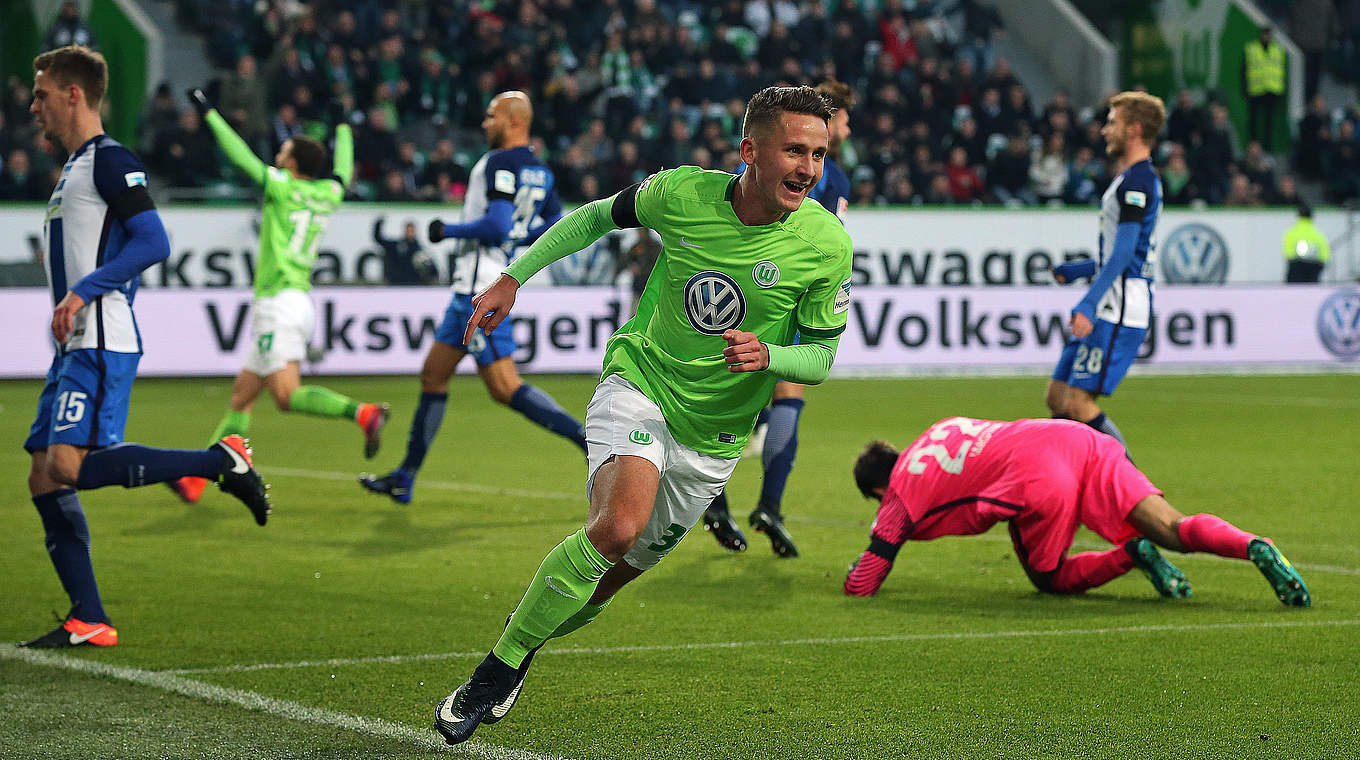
{"x": 747, "y": 261}
{"x": 299, "y": 197}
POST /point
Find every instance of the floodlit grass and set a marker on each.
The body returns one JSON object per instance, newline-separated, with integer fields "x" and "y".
{"x": 711, "y": 655}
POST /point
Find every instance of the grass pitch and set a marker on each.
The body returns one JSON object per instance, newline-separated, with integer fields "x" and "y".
{"x": 333, "y": 631}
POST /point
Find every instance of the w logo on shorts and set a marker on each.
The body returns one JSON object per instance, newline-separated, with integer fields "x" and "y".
{"x": 640, "y": 437}
{"x": 714, "y": 302}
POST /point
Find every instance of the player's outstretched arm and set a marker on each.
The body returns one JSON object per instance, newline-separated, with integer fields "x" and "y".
{"x": 1069, "y": 271}
{"x": 236, "y": 149}
{"x": 492, "y": 228}
{"x": 869, "y": 571}
{"x": 343, "y": 165}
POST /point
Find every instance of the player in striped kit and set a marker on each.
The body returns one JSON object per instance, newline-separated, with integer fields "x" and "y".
{"x": 511, "y": 200}
{"x": 1109, "y": 322}
{"x": 102, "y": 230}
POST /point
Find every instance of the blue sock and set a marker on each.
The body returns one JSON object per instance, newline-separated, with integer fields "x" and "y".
{"x": 68, "y": 544}
{"x": 424, "y": 427}
{"x": 781, "y": 446}
{"x": 1106, "y": 425}
{"x": 131, "y": 465}
{"x": 540, "y": 407}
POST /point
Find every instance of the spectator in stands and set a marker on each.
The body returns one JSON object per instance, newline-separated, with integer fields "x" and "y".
{"x": 404, "y": 263}
{"x": 1341, "y": 165}
{"x": 375, "y": 145}
{"x": 1211, "y": 154}
{"x": 243, "y": 100}
{"x": 981, "y": 28}
{"x": 393, "y": 188}
{"x": 285, "y": 127}
{"x": 18, "y": 181}
{"x": 1315, "y": 131}
{"x": 1087, "y": 177}
{"x": 1184, "y": 120}
{"x": 1259, "y": 167}
{"x": 1048, "y": 170}
{"x": 1178, "y": 186}
{"x": 1008, "y": 174}
{"x": 69, "y": 29}
{"x": 1241, "y": 192}
{"x": 1285, "y": 192}
{"x": 160, "y": 116}
{"x": 441, "y": 162}
{"x": 1263, "y": 69}
{"x": 187, "y": 153}
{"x": 1313, "y": 26}
{"x": 965, "y": 185}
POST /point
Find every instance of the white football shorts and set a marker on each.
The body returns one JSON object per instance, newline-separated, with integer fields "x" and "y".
{"x": 622, "y": 421}
{"x": 279, "y": 328}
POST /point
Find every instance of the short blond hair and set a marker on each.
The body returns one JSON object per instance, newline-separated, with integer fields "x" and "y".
{"x": 76, "y": 65}
{"x": 1147, "y": 111}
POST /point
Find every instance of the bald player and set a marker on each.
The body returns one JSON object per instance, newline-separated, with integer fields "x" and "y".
{"x": 511, "y": 200}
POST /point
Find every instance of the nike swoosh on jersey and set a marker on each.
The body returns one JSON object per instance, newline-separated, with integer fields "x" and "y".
{"x": 685, "y": 242}
{"x": 60, "y": 428}
{"x": 81, "y": 638}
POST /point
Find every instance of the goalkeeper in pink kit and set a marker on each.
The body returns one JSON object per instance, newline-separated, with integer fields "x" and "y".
{"x": 1044, "y": 478}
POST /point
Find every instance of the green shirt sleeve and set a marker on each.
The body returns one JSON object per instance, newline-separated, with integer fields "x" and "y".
{"x": 236, "y": 149}
{"x": 823, "y": 310}
{"x": 808, "y": 362}
{"x": 344, "y": 154}
{"x": 572, "y": 233}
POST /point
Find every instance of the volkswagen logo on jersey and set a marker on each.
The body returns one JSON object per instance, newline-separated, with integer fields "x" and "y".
{"x": 1338, "y": 323}
{"x": 1195, "y": 254}
{"x": 714, "y": 302}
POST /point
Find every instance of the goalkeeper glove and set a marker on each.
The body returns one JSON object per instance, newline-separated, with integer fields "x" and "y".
{"x": 199, "y": 101}
{"x": 436, "y": 231}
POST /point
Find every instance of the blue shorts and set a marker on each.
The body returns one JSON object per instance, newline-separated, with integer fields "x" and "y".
{"x": 85, "y": 400}
{"x": 483, "y": 348}
{"x": 1100, "y": 360}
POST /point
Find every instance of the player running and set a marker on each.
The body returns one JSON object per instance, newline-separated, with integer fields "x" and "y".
{"x": 1109, "y": 323}
{"x": 300, "y": 194}
{"x": 746, "y": 264}
{"x": 779, "y": 438}
{"x": 102, "y": 230}
{"x": 511, "y": 200}
{"x": 1044, "y": 478}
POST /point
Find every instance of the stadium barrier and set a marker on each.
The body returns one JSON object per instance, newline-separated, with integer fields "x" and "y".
{"x": 891, "y": 330}
{"x": 215, "y": 247}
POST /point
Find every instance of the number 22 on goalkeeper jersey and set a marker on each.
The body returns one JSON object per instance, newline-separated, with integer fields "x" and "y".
{"x": 515, "y": 175}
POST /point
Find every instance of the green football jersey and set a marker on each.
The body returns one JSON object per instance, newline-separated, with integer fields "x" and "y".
{"x": 714, "y": 274}
{"x": 295, "y": 210}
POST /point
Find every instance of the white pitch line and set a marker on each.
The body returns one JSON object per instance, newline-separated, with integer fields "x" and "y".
{"x": 449, "y": 485}
{"x": 281, "y": 708}
{"x": 342, "y": 661}
{"x": 446, "y": 485}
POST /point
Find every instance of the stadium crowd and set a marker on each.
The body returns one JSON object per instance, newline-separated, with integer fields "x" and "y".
{"x": 625, "y": 87}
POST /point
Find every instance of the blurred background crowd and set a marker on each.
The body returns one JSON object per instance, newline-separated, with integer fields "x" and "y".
{"x": 622, "y": 88}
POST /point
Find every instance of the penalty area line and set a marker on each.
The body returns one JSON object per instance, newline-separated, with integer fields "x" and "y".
{"x": 281, "y": 708}
{"x": 888, "y": 638}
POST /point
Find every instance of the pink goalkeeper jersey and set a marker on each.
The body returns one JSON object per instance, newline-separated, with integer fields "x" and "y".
{"x": 962, "y": 476}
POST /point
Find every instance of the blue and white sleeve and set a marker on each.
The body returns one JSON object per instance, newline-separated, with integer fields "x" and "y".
{"x": 120, "y": 180}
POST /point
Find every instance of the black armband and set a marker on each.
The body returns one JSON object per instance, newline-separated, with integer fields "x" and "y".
{"x": 132, "y": 202}
{"x": 624, "y": 210}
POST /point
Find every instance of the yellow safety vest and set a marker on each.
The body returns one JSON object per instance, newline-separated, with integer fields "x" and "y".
{"x": 1265, "y": 69}
{"x": 1305, "y": 241}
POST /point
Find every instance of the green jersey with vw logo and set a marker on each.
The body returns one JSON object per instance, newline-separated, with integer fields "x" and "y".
{"x": 295, "y": 210}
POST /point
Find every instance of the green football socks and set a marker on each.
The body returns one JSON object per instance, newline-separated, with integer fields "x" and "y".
{"x": 583, "y": 617}
{"x": 234, "y": 423}
{"x": 322, "y": 402}
{"x": 562, "y": 586}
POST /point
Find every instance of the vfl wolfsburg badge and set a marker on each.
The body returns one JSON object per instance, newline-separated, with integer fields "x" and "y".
{"x": 766, "y": 274}
{"x": 641, "y": 437}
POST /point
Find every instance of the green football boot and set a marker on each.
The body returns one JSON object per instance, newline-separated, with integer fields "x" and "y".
{"x": 1166, "y": 577}
{"x": 1286, "y": 581}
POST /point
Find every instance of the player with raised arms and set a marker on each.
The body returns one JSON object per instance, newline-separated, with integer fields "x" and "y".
{"x": 1043, "y": 478}
{"x": 102, "y": 231}
{"x": 746, "y": 263}
{"x": 511, "y": 200}
{"x": 780, "y": 436}
{"x": 1109, "y": 322}
{"x": 301, "y": 191}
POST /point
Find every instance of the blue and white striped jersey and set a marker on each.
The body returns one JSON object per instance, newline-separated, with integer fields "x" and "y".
{"x": 515, "y": 175}
{"x": 1134, "y": 196}
{"x": 85, "y": 229}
